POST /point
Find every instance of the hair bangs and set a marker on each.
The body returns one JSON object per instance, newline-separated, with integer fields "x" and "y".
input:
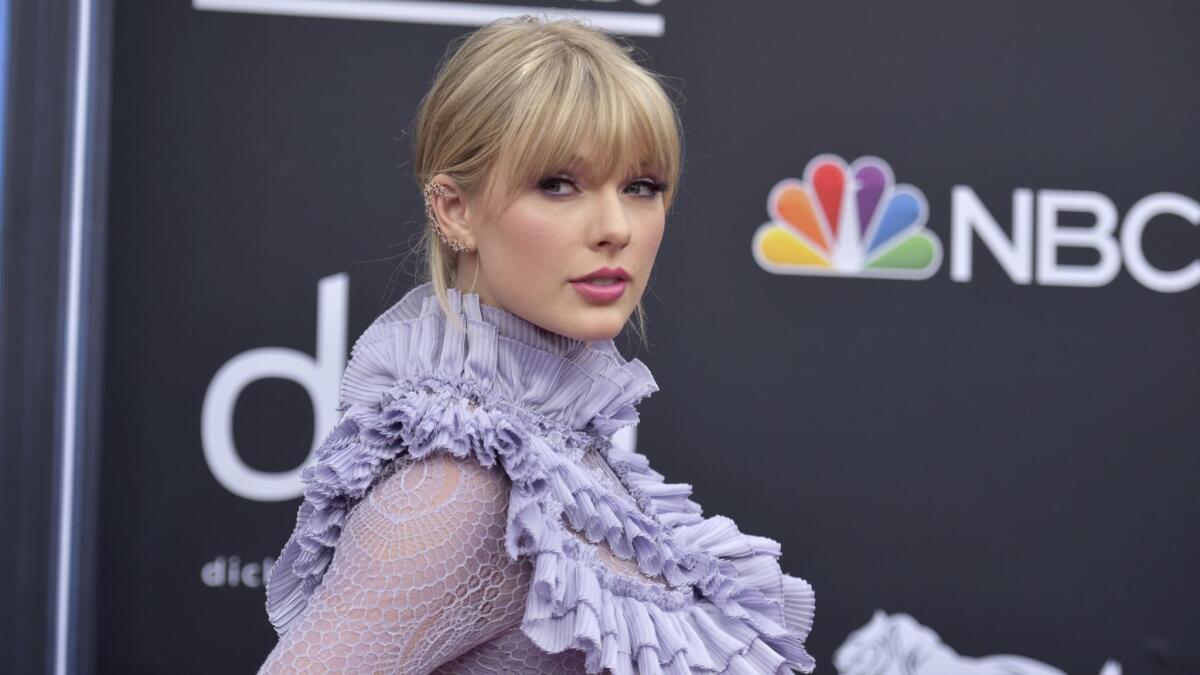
{"x": 616, "y": 121}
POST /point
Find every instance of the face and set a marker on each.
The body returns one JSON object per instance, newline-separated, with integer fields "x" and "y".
{"x": 533, "y": 253}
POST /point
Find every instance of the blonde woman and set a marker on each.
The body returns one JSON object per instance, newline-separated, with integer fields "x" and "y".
{"x": 469, "y": 513}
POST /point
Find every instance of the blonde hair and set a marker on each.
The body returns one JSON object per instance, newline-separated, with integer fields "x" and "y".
{"x": 522, "y": 96}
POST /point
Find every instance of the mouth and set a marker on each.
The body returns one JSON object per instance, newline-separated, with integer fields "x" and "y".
{"x": 605, "y": 276}
{"x": 603, "y": 285}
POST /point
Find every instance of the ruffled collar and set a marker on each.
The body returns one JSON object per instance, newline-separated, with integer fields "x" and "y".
{"x": 506, "y": 392}
{"x": 501, "y": 357}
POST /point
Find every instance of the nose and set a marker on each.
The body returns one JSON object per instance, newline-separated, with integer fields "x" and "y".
{"x": 611, "y": 222}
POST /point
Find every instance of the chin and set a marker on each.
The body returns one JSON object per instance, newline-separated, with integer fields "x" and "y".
{"x": 596, "y": 337}
{"x": 598, "y": 324}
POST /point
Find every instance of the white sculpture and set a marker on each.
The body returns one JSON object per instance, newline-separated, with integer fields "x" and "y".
{"x": 897, "y": 645}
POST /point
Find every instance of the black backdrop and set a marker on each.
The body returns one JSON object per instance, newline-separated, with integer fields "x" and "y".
{"x": 1013, "y": 464}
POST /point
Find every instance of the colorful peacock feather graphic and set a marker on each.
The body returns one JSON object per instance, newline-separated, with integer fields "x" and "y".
{"x": 847, "y": 221}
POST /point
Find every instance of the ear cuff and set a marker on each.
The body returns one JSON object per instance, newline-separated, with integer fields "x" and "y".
{"x": 433, "y": 188}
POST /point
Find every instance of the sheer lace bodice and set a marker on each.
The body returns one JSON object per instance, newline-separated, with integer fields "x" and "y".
{"x": 419, "y": 578}
{"x": 469, "y": 515}
{"x": 420, "y": 582}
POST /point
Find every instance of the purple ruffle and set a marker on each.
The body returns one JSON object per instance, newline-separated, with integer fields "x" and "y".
{"x": 770, "y": 599}
{"x": 756, "y": 620}
{"x": 416, "y": 385}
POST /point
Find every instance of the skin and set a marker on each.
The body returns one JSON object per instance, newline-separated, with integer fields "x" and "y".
{"x": 556, "y": 229}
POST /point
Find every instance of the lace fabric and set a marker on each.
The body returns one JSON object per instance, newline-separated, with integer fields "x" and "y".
{"x": 468, "y": 515}
{"x": 420, "y": 576}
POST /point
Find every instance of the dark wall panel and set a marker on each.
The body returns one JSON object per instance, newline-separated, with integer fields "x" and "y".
{"x": 1007, "y": 455}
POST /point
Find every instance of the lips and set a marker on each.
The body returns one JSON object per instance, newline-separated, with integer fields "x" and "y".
{"x": 601, "y": 292}
{"x": 605, "y": 276}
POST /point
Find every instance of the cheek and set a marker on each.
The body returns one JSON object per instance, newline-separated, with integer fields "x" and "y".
{"x": 652, "y": 228}
{"x": 533, "y": 243}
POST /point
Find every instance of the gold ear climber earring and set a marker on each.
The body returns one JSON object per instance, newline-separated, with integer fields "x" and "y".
{"x": 433, "y": 188}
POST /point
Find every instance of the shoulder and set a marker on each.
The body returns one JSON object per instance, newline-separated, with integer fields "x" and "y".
{"x": 460, "y": 492}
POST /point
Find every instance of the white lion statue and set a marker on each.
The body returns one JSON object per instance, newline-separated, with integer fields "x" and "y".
{"x": 897, "y": 645}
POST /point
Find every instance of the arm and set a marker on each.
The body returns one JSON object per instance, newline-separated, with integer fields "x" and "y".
{"x": 419, "y": 577}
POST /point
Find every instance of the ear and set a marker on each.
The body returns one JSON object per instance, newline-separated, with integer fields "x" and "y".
{"x": 452, "y": 210}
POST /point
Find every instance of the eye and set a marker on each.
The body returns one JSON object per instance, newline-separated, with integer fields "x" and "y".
{"x": 557, "y": 185}
{"x": 646, "y": 188}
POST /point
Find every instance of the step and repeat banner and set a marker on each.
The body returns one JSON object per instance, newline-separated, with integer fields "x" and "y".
{"x": 927, "y": 311}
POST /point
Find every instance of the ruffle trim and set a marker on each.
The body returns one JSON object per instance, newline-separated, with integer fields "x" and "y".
{"x": 755, "y": 619}
{"x": 572, "y": 387}
{"x": 758, "y": 587}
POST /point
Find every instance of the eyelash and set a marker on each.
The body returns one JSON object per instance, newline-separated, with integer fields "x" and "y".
{"x": 655, "y": 187}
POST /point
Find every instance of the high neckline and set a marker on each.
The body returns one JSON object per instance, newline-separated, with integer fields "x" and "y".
{"x": 522, "y": 330}
{"x": 587, "y": 386}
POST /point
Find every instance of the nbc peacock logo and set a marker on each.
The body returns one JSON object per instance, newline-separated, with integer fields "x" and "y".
{"x": 847, "y": 221}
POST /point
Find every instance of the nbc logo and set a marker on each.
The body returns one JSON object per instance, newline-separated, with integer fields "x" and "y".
{"x": 854, "y": 221}
{"x": 847, "y": 221}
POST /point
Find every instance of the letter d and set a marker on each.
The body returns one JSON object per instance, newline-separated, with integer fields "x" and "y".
{"x": 320, "y": 377}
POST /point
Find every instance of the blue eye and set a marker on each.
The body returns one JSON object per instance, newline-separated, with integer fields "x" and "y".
{"x": 561, "y": 186}
{"x": 648, "y": 188}
{"x": 554, "y": 185}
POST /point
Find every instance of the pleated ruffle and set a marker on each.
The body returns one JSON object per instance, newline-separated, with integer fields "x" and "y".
{"x": 508, "y": 393}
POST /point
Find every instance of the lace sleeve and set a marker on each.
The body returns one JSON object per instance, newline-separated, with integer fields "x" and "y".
{"x": 419, "y": 576}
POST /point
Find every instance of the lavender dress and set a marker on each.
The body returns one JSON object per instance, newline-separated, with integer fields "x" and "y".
{"x": 468, "y": 514}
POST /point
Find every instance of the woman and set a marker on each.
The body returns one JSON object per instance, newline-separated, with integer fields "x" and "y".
{"x": 469, "y": 513}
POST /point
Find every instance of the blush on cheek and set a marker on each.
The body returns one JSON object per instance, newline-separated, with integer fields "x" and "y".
{"x": 527, "y": 262}
{"x": 539, "y": 243}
